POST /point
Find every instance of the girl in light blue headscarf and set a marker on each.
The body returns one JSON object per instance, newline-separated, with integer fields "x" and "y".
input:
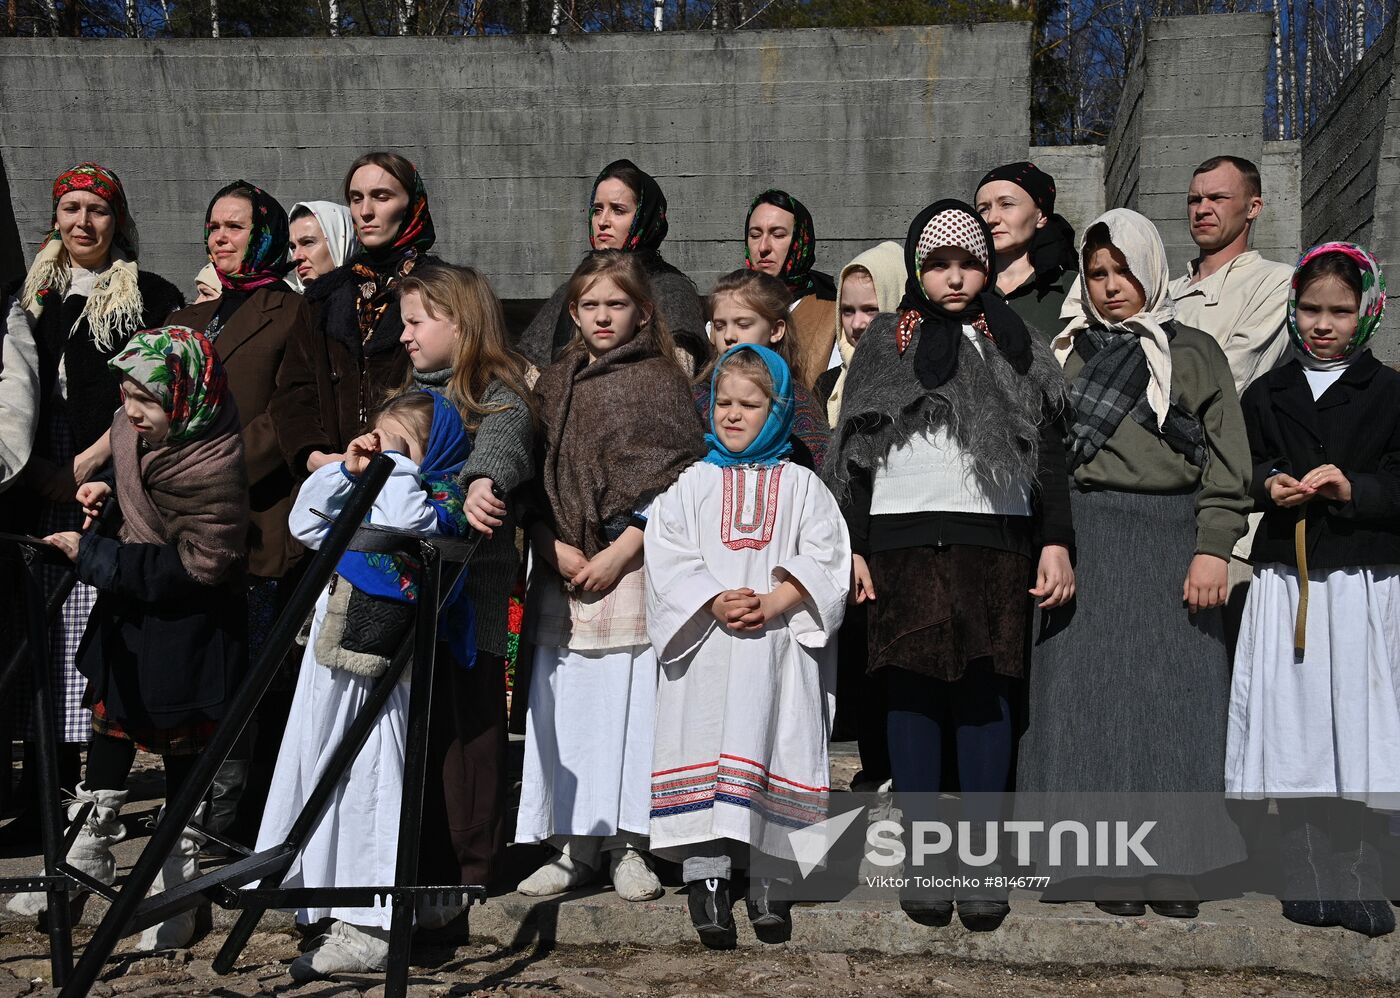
{"x": 748, "y": 564}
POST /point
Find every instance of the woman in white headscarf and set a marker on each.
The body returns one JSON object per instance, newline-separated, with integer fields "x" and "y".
{"x": 322, "y": 238}
{"x": 1130, "y": 682}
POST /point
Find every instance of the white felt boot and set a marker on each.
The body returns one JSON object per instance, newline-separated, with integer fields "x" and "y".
{"x": 632, "y": 875}
{"x": 576, "y": 865}
{"x": 92, "y": 850}
{"x": 181, "y": 866}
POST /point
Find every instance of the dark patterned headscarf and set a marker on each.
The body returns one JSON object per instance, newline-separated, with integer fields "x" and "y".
{"x": 649, "y": 226}
{"x": 796, "y": 271}
{"x": 380, "y": 270}
{"x": 265, "y": 260}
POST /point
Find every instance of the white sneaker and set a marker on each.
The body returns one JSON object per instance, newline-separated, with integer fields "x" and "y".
{"x": 632, "y": 875}
{"x": 562, "y": 873}
{"x": 345, "y": 949}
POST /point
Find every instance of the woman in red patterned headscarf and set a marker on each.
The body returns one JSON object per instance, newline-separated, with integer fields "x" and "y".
{"x": 83, "y": 297}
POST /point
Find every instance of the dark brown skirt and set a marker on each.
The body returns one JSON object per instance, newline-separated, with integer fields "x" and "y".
{"x": 939, "y": 611}
{"x": 189, "y": 739}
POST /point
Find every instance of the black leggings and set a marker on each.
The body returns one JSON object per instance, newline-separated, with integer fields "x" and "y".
{"x": 109, "y": 764}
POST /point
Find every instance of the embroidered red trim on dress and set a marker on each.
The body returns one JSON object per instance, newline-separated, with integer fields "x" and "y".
{"x": 765, "y": 513}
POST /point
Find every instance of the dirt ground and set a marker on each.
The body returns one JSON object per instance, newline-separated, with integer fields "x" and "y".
{"x": 445, "y": 969}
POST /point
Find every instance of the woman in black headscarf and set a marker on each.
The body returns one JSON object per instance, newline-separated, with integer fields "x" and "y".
{"x": 1036, "y": 260}
{"x": 627, "y": 212}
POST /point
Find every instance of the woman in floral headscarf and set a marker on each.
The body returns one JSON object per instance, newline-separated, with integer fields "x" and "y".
{"x": 780, "y": 239}
{"x": 627, "y": 212}
{"x": 166, "y": 644}
{"x": 84, "y": 296}
{"x": 250, "y": 325}
{"x": 350, "y": 360}
{"x": 1315, "y": 704}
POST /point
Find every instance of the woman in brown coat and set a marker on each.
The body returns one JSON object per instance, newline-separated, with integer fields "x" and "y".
{"x": 250, "y": 325}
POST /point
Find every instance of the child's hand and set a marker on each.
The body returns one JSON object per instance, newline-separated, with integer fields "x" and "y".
{"x": 67, "y": 542}
{"x": 569, "y": 561}
{"x": 601, "y": 572}
{"x": 1287, "y": 491}
{"x": 319, "y": 458}
{"x": 93, "y": 496}
{"x": 483, "y": 509}
{"x": 732, "y": 605}
{"x": 389, "y": 440}
{"x": 1207, "y": 582}
{"x": 1054, "y": 578}
{"x": 1329, "y": 481}
{"x": 361, "y": 451}
{"x": 862, "y": 586}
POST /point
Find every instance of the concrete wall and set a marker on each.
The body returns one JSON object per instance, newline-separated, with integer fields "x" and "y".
{"x": 1202, "y": 95}
{"x": 1278, "y": 232}
{"x": 1079, "y": 180}
{"x": 864, "y": 126}
{"x": 1351, "y": 171}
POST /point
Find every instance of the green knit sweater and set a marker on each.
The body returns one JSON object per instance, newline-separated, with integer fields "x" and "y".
{"x": 1137, "y": 460}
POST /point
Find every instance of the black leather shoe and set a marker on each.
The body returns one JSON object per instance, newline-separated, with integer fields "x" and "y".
{"x": 1123, "y": 909}
{"x": 771, "y": 918}
{"x": 710, "y": 912}
{"x": 982, "y": 916}
{"x": 932, "y": 912}
{"x": 1175, "y": 897}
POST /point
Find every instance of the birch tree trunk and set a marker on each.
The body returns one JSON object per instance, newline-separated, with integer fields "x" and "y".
{"x": 213, "y": 18}
{"x": 1360, "y": 29}
{"x": 1278, "y": 69}
{"x": 333, "y": 17}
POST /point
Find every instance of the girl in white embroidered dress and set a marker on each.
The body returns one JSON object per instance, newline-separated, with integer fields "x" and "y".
{"x": 748, "y": 567}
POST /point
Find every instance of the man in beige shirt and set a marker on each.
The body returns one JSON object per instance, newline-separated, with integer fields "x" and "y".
{"x": 1230, "y": 291}
{"x": 1240, "y": 299}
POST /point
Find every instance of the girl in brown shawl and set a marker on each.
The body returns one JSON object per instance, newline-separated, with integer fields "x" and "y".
{"x": 166, "y": 642}
{"x": 619, "y": 428}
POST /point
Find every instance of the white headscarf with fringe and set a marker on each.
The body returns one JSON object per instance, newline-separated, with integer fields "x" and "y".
{"x": 1133, "y": 235}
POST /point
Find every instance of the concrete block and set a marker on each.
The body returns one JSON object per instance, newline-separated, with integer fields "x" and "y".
{"x": 865, "y": 126}
{"x": 1079, "y": 180}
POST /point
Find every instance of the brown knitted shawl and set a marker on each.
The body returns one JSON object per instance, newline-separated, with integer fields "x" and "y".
{"x": 192, "y": 494}
{"x": 617, "y": 432}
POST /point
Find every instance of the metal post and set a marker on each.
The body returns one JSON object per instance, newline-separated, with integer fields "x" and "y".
{"x": 181, "y": 808}
{"x": 50, "y": 824}
{"x": 420, "y": 696}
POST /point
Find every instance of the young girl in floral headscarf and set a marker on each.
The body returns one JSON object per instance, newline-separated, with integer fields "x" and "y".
{"x": 165, "y": 645}
{"x": 1315, "y": 706}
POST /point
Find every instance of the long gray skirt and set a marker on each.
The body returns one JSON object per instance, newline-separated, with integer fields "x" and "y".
{"x": 1129, "y": 691}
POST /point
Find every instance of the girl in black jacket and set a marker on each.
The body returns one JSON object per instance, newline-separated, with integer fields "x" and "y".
{"x": 166, "y": 644}
{"x": 1315, "y": 705}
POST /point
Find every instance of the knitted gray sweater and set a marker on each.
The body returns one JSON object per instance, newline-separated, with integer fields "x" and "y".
{"x": 502, "y": 450}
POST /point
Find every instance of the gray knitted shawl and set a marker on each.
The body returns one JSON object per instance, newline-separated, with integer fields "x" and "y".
{"x": 992, "y": 413}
